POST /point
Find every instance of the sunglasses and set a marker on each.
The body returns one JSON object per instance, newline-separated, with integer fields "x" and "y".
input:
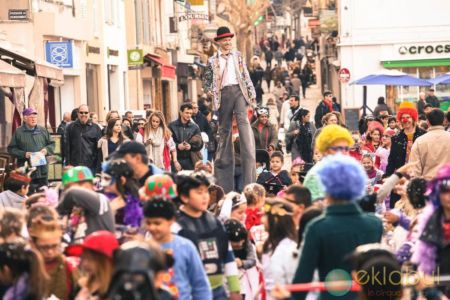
{"x": 83, "y": 112}
{"x": 340, "y": 149}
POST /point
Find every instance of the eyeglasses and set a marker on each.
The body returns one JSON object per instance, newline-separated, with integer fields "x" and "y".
{"x": 83, "y": 112}
{"x": 340, "y": 149}
{"x": 141, "y": 124}
{"x": 386, "y": 136}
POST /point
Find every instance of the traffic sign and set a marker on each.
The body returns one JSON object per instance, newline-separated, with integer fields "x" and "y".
{"x": 344, "y": 75}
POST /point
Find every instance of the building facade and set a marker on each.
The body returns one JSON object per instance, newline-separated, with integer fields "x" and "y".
{"x": 374, "y": 36}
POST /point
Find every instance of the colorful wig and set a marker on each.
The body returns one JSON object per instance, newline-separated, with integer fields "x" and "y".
{"x": 342, "y": 177}
{"x": 425, "y": 254}
{"x": 407, "y": 108}
{"x": 331, "y": 134}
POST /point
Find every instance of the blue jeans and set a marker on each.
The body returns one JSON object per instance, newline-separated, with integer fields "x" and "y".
{"x": 220, "y": 294}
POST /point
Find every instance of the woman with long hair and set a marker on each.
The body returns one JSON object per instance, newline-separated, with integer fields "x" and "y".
{"x": 279, "y": 258}
{"x": 123, "y": 190}
{"x": 96, "y": 254}
{"x": 159, "y": 143}
{"x": 22, "y": 271}
{"x": 300, "y": 136}
{"x": 112, "y": 139}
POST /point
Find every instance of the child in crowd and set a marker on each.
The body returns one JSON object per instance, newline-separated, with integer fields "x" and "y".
{"x": 195, "y": 223}
{"x": 188, "y": 273}
{"x": 280, "y": 255}
{"x": 256, "y": 197}
{"x": 297, "y": 171}
{"x": 245, "y": 257}
{"x": 277, "y": 179}
{"x": 392, "y": 123}
{"x": 16, "y": 189}
{"x": 373, "y": 173}
{"x": 383, "y": 152}
{"x": 233, "y": 206}
{"x": 216, "y": 194}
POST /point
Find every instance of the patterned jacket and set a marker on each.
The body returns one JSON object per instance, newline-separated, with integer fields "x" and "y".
{"x": 212, "y": 78}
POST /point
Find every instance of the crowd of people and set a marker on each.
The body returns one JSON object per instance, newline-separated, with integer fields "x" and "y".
{"x": 150, "y": 209}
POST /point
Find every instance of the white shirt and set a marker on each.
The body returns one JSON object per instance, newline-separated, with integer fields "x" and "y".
{"x": 230, "y": 78}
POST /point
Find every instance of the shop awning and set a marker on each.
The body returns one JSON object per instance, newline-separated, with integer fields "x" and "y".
{"x": 11, "y": 76}
{"x": 48, "y": 70}
{"x": 34, "y": 68}
{"x": 167, "y": 70}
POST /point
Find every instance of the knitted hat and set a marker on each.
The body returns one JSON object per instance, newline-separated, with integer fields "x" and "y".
{"x": 331, "y": 134}
{"x": 342, "y": 177}
{"x": 407, "y": 108}
{"x": 158, "y": 185}
{"x": 77, "y": 174}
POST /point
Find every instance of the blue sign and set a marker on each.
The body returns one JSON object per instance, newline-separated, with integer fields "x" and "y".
{"x": 59, "y": 53}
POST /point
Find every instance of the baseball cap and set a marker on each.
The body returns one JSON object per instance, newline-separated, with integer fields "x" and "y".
{"x": 77, "y": 174}
{"x": 131, "y": 148}
{"x": 29, "y": 111}
{"x": 103, "y": 242}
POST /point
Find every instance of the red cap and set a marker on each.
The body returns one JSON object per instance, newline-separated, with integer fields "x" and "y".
{"x": 103, "y": 242}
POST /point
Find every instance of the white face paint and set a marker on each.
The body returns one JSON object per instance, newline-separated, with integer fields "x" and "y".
{"x": 106, "y": 180}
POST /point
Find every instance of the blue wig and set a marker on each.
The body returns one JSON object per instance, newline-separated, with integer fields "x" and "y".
{"x": 342, "y": 177}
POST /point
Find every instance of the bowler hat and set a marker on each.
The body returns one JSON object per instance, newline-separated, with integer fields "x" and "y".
{"x": 223, "y": 32}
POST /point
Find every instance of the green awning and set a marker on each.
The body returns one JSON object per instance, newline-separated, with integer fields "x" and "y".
{"x": 416, "y": 63}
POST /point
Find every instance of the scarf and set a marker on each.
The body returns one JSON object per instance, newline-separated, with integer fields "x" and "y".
{"x": 328, "y": 104}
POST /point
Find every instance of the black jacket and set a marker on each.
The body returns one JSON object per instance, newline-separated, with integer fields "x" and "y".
{"x": 397, "y": 157}
{"x": 321, "y": 111}
{"x": 433, "y": 100}
{"x": 81, "y": 144}
{"x": 183, "y": 133}
{"x": 202, "y": 122}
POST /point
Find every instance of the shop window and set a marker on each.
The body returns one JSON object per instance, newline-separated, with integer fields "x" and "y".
{"x": 408, "y": 93}
{"x": 442, "y": 90}
{"x": 411, "y": 93}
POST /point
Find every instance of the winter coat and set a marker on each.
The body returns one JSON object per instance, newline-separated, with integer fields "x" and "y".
{"x": 397, "y": 156}
{"x": 431, "y": 150}
{"x": 31, "y": 140}
{"x": 329, "y": 238}
{"x": 381, "y": 107}
{"x": 184, "y": 133}
{"x": 321, "y": 110}
{"x": 267, "y": 137}
{"x": 301, "y": 143}
{"x": 81, "y": 141}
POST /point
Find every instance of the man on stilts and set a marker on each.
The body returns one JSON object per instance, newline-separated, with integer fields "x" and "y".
{"x": 227, "y": 80}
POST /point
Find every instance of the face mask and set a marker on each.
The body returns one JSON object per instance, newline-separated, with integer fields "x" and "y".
{"x": 106, "y": 180}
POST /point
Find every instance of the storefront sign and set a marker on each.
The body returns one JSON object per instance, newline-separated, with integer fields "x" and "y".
{"x": 135, "y": 57}
{"x": 193, "y": 16}
{"x": 59, "y": 54}
{"x": 344, "y": 75}
{"x": 18, "y": 14}
{"x": 112, "y": 52}
{"x": 424, "y": 49}
{"x": 93, "y": 50}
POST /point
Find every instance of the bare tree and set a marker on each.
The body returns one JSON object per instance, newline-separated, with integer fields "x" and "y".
{"x": 242, "y": 15}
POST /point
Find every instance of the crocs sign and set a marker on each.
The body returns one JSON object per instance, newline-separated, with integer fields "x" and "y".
{"x": 424, "y": 49}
